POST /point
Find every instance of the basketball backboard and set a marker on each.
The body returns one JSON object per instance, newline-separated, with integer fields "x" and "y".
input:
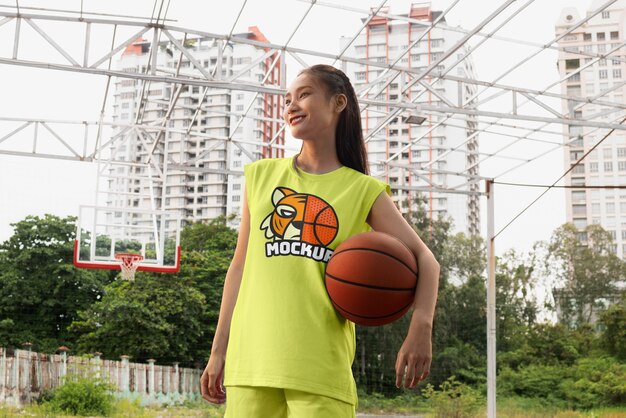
{"x": 155, "y": 235}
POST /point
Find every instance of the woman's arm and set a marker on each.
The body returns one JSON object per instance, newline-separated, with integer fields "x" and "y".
{"x": 415, "y": 355}
{"x": 211, "y": 381}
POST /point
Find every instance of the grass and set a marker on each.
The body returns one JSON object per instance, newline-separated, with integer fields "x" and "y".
{"x": 372, "y": 404}
{"x": 125, "y": 409}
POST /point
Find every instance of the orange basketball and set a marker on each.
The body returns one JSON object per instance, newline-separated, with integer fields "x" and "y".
{"x": 320, "y": 223}
{"x": 371, "y": 278}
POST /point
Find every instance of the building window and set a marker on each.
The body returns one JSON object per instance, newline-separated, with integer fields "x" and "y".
{"x": 600, "y": 36}
{"x": 617, "y": 73}
{"x": 606, "y": 15}
{"x": 621, "y": 165}
{"x": 587, "y": 37}
{"x": 608, "y": 166}
{"x": 236, "y": 198}
{"x": 608, "y": 153}
{"x": 595, "y": 208}
{"x": 621, "y": 152}
{"x": 610, "y": 207}
{"x": 236, "y": 186}
{"x": 579, "y": 209}
{"x": 603, "y": 74}
{"x": 593, "y": 167}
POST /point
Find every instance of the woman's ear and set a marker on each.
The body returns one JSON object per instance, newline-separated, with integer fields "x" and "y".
{"x": 341, "y": 101}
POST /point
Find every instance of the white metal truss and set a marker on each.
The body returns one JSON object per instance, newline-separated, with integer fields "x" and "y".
{"x": 98, "y": 62}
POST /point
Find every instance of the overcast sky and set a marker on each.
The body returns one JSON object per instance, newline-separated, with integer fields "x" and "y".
{"x": 37, "y": 186}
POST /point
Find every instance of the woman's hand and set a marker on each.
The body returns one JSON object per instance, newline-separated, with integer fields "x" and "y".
{"x": 212, "y": 380}
{"x": 414, "y": 357}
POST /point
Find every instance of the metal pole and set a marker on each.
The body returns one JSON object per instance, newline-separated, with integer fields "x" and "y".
{"x": 491, "y": 304}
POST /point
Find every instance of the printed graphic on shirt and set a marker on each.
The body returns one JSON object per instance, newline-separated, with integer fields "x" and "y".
{"x": 301, "y": 224}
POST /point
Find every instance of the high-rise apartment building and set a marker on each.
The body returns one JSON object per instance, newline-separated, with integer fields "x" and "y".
{"x": 602, "y": 81}
{"x": 215, "y": 138}
{"x": 438, "y": 153}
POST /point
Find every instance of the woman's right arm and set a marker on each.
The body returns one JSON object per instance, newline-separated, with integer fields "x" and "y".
{"x": 211, "y": 382}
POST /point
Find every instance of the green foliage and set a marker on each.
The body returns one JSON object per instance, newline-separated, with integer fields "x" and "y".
{"x": 462, "y": 360}
{"x": 454, "y": 400}
{"x": 40, "y": 289}
{"x": 614, "y": 334}
{"x": 168, "y": 317}
{"x": 82, "y": 396}
{"x": 404, "y": 403}
{"x": 588, "y": 274}
{"x": 590, "y": 382}
{"x": 516, "y": 301}
{"x": 150, "y": 317}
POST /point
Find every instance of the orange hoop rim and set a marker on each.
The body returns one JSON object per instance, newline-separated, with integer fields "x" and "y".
{"x": 128, "y": 257}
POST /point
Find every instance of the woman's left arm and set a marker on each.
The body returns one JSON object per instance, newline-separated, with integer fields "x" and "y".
{"x": 415, "y": 355}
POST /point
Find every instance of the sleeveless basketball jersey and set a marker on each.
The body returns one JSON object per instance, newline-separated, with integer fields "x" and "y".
{"x": 285, "y": 332}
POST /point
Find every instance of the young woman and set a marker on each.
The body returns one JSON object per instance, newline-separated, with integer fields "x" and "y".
{"x": 280, "y": 348}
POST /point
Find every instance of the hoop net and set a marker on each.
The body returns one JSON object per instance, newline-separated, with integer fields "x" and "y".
{"x": 129, "y": 263}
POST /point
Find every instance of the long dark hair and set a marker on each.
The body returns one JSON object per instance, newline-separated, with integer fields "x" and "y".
{"x": 349, "y": 133}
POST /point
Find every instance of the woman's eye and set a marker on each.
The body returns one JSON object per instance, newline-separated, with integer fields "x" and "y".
{"x": 304, "y": 94}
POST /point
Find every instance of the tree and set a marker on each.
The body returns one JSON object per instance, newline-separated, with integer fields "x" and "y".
{"x": 208, "y": 249}
{"x": 516, "y": 301}
{"x": 587, "y": 273}
{"x": 151, "y": 317}
{"x": 614, "y": 334}
{"x": 184, "y": 308}
{"x": 40, "y": 290}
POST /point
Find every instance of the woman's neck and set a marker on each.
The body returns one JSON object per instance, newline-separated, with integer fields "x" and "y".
{"x": 317, "y": 161}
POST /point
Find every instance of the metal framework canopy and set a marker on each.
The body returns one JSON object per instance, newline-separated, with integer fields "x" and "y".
{"x": 517, "y": 124}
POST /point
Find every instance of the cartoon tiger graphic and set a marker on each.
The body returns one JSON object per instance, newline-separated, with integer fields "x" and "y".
{"x": 300, "y": 217}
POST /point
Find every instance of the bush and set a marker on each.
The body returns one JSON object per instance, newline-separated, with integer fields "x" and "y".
{"x": 588, "y": 383}
{"x": 454, "y": 399}
{"x": 82, "y": 396}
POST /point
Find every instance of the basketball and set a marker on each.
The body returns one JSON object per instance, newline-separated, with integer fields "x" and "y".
{"x": 320, "y": 224}
{"x": 371, "y": 278}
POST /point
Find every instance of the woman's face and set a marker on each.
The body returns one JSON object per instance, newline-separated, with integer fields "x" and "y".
{"x": 309, "y": 112}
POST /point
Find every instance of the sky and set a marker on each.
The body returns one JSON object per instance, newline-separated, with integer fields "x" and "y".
{"x": 35, "y": 186}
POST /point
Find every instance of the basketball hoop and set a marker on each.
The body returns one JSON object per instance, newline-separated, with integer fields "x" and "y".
{"x": 129, "y": 263}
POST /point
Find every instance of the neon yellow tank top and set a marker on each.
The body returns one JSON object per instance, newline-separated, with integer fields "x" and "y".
{"x": 285, "y": 332}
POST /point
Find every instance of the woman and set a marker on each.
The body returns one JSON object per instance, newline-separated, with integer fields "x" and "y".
{"x": 280, "y": 348}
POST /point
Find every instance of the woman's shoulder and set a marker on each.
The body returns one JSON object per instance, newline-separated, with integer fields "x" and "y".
{"x": 368, "y": 178}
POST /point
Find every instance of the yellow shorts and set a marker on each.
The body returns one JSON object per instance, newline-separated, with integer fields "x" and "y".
{"x": 266, "y": 402}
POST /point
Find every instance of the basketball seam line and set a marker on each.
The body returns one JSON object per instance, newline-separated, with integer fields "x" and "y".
{"x": 371, "y": 286}
{"x": 377, "y": 251}
{"x": 372, "y": 317}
